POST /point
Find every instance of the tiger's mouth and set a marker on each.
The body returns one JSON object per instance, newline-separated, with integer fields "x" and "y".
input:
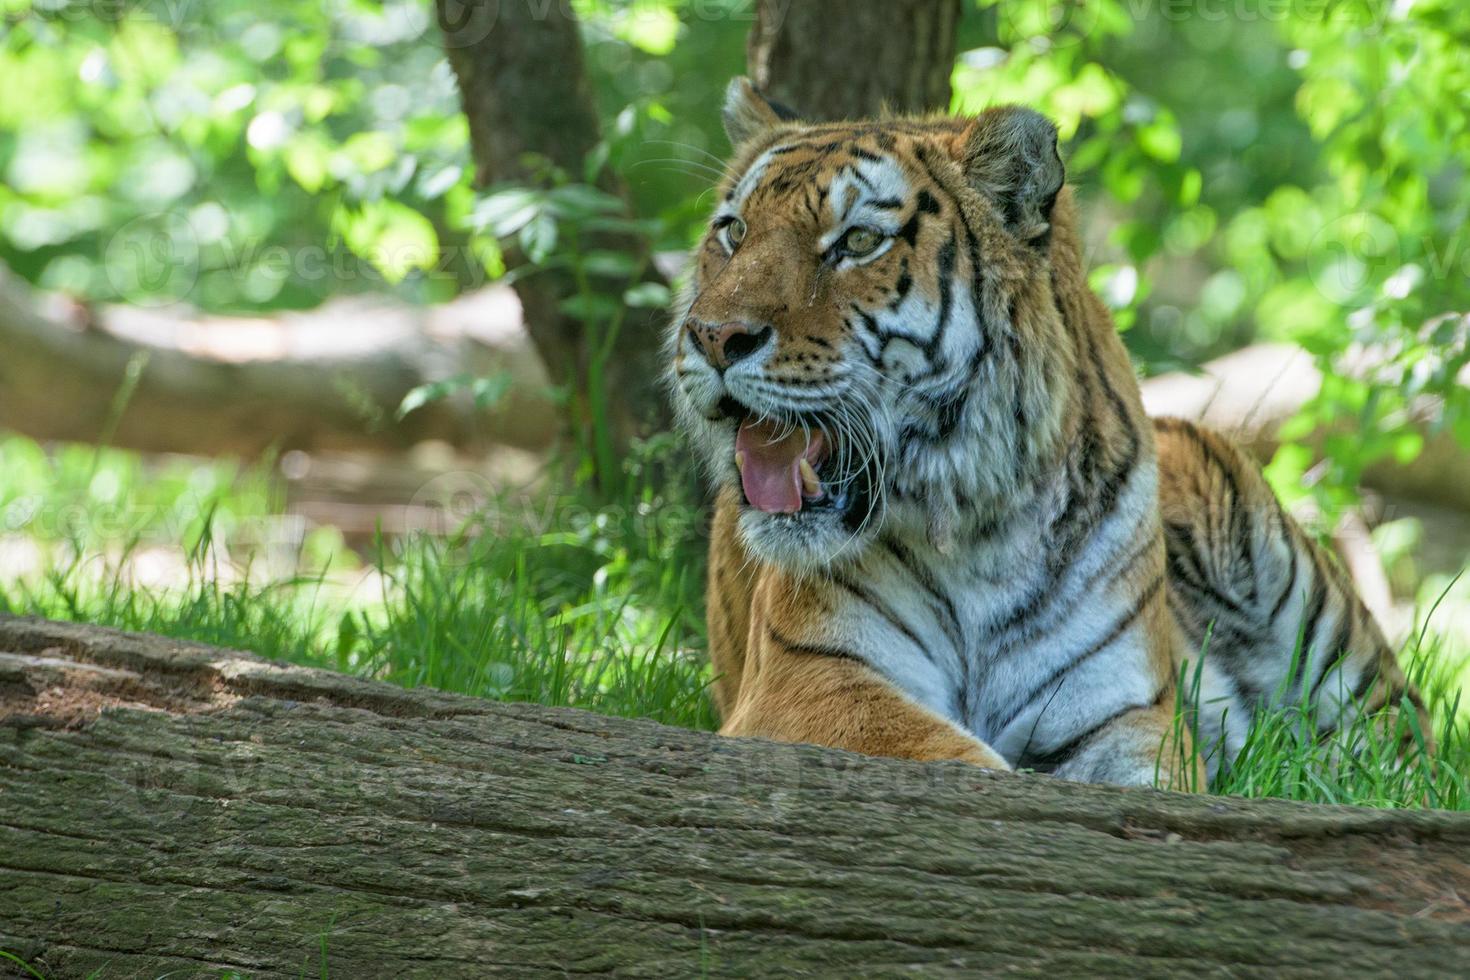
{"x": 779, "y": 465}
{"x": 792, "y": 466}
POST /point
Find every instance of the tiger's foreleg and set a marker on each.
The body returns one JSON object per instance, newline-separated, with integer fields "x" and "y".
{"x": 798, "y": 693}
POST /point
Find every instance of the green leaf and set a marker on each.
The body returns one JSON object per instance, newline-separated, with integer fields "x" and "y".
{"x": 650, "y": 28}
{"x": 648, "y": 295}
{"x": 538, "y": 238}
{"x": 596, "y": 160}
{"x": 369, "y": 152}
{"x": 308, "y": 160}
{"x": 507, "y": 211}
{"x": 405, "y": 240}
{"x": 489, "y": 391}
{"x": 580, "y": 201}
{"x": 1189, "y": 188}
{"x": 1160, "y": 139}
{"x": 433, "y": 391}
{"x": 614, "y": 265}
{"x": 439, "y": 182}
{"x": 590, "y": 308}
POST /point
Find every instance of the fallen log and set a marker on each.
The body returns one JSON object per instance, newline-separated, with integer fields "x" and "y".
{"x": 167, "y": 806}
{"x": 329, "y": 379}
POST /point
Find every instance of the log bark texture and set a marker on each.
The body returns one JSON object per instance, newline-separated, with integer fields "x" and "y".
{"x": 847, "y": 59}
{"x": 172, "y": 807}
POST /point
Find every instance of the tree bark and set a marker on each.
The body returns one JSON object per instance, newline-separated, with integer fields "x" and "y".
{"x": 525, "y": 92}
{"x": 172, "y": 807}
{"x": 329, "y": 379}
{"x": 849, "y": 59}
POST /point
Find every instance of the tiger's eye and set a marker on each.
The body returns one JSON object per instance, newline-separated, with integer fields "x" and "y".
{"x": 735, "y": 232}
{"x": 861, "y": 241}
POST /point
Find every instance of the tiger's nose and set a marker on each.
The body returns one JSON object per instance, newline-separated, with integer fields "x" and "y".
{"x": 726, "y": 343}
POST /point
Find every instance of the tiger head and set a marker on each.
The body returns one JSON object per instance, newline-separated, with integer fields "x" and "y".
{"x": 871, "y": 342}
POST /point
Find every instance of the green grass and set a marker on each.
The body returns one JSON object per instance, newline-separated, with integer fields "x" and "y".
{"x": 598, "y": 607}
{"x": 1382, "y": 761}
{"x": 562, "y": 602}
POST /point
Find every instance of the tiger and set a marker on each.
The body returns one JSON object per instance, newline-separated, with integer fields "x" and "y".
{"x": 944, "y": 527}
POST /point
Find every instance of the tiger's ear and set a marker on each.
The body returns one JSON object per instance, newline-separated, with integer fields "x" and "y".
{"x": 748, "y": 113}
{"x": 1010, "y": 155}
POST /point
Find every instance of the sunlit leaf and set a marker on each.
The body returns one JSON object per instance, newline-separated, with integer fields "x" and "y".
{"x": 648, "y": 295}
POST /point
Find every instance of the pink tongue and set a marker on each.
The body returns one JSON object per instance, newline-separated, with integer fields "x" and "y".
{"x": 771, "y": 473}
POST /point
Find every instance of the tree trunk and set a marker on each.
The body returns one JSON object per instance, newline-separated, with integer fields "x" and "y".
{"x": 525, "y": 93}
{"x": 848, "y": 59}
{"x": 172, "y": 807}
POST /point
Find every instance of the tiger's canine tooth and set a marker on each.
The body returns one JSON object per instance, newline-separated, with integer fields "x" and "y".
{"x": 809, "y": 481}
{"x": 740, "y": 462}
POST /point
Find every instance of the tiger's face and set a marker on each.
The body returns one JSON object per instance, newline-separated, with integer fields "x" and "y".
{"x": 848, "y": 357}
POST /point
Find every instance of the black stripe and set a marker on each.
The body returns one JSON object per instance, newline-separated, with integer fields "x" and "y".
{"x": 1180, "y": 543}
{"x": 949, "y": 412}
{"x": 867, "y": 184}
{"x": 972, "y": 249}
{"x": 1366, "y": 681}
{"x": 1336, "y": 652}
{"x": 1053, "y": 759}
{"x": 811, "y": 650}
{"x": 1287, "y": 533}
{"x": 902, "y": 286}
{"x": 1093, "y": 490}
{"x": 1019, "y": 640}
{"x": 1315, "y": 605}
{"x": 910, "y": 231}
{"x": 1236, "y": 515}
{"x": 882, "y": 609}
{"x": 946, "y": 297}
{"x": 920, "y": 573}
{"x": 1059, "y": 675}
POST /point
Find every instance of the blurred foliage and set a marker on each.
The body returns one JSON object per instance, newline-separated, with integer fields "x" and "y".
{"x": 259, "y": 155}
{"x": 1252, "y": 169}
